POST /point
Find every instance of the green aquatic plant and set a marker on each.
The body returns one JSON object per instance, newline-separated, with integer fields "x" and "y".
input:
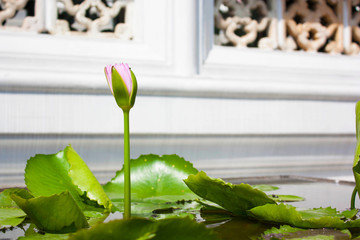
{"x": 64, "y": 197}
{"x": 123, "y": 85}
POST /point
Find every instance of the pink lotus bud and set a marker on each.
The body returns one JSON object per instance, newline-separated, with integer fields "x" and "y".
{"x": 122, "y": 83}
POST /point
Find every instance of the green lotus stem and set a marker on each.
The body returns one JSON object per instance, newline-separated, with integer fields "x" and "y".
{"x": 127, "y": 186}
{"x": 353, "y": 196}
{"x": 123, "y": 85}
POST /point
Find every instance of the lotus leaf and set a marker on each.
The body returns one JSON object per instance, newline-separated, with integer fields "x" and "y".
{"x": 308, "y": 218}
{"x": 154, "y": 178}
{"x": 46, "y": 175}
{"x": 288, "y": 232}
{"x": 11, "y": 216}
{"x": 265, "y": 187}
{"x": 54, "y": 214}
{"x": 234, "y": 198}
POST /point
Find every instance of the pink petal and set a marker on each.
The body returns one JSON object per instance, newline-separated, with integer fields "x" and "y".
{"x": 108, "y": 73}
{"x": 124, "y": 71}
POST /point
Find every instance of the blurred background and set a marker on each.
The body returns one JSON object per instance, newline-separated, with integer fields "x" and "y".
{"x": 239, "y": 88}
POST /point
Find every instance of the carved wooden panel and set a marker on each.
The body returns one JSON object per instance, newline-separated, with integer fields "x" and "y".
{"x": 104, "y": 18}
{"x": 289, "y": 25}
{"x": 17, "y": 15}
{"x": 95, "y": 18}
{"x": 245, "y": 24}
{"x": 314, "y": 25}
{"x": 354, "y": 47}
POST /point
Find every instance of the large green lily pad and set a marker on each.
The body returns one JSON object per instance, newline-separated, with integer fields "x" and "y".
{"x": 46, "y": 175}
{"x": 55, "y": 214}
{"x": 234, "y": 198}
{"x": 308, "y": 218}
{"x": 154, "y": 178}
{"x": 288, "y": 232}
{"x": 141, "y": 229}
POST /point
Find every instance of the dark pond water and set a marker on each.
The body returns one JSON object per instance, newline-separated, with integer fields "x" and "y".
{"x": 317, "y": 193}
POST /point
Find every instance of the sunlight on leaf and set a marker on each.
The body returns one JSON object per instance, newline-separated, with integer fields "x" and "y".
{"x": 286, "y": 198}
{"x": 234, "y": 198}
{"x": 46, "y": 175}
{"x": 54, "y": 214}
{"x": 265, "y": 187}
{"x": 83, "y": 178}
{"x": 154, "y": 178}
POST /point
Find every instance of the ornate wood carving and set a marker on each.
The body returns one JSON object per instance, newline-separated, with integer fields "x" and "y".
{"x": 245, "y": 23}
{"x": 314, "y": 25}
{"x": 87, "y": 17}
{"x": 92, "y": 17}
{"x": 290, "y": 25}
{"x": 9, "y": 10}
{"x": 354, "y": 47}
